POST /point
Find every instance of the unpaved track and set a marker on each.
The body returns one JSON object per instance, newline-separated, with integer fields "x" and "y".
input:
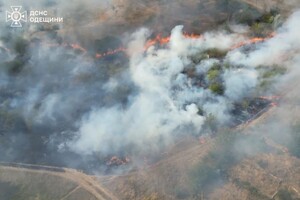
{"x": 84, "y": 181}
{"x": 71, "y": 192}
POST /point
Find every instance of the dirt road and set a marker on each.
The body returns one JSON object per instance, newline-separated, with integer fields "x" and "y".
{"x": 83, "y": 181}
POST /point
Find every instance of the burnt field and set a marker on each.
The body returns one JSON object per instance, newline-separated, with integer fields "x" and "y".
{"x": 37, "y": 142}
{"x": 103, "y": 101}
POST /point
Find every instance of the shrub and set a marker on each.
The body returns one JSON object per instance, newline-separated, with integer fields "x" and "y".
{"x": 216, "y": 66}
{"x": 268, "y": 75}
{"x": 215, "y": 53}
{"x": 275, "y": 71}
{"x": 213, "y": 74}
{"x": 197, "y": 58}
{"x": 267, "y": 18}
{"x": 217, "y": 88}
{"x": 258, "y": 29}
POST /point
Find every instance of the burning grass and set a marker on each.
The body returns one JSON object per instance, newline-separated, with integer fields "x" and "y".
{"x": 206, "y": 74}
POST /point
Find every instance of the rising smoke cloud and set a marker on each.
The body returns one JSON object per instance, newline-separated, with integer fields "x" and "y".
{"x": 167, "y": 103}
{"x": 80, "y": 102}
{"x": 277, "y": 50}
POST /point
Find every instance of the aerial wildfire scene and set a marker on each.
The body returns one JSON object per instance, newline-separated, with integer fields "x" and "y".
{"x": 150, "y": 100}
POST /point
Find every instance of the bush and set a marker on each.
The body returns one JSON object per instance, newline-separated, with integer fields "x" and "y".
{"x": 275, "y": 71}
{"x": 268, "y": 75}
{"x": 213, "y": 74}
{"x": 216, "y": 66}
{"x": 245, "y": 104}
{"x": 257, "y": 29}
{"x": 267, "y": 18}
{"x": 215, "y": 53}
{"x": 217, "y": 88}
{"x": 265, "y": 84}
{"x": 227, "y": 65}
{"x": 197, "y": 58}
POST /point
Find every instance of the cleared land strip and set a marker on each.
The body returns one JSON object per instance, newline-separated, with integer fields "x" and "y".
{"x": 69, "y": 193}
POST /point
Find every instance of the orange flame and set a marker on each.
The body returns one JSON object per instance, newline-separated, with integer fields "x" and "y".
{"x": 165, "y": 40}
{"x": 253, "y": 40}
{"x": 273, "y": 104}
{"x": 159, "y": 40}
{"x": 116, "y": 161}
{"x": 120, "y": 49}
{"x": 73, "y": 46}
{"x": 270, "y": 97}
{"x": 274, "y": 100}
{"x": 77, "y": 46}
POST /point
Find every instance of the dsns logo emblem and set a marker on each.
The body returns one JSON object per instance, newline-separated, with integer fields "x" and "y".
{"x": 16, "y": 16}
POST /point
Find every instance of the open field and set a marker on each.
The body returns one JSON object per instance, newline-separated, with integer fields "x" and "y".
{"x": 43, "y": 183}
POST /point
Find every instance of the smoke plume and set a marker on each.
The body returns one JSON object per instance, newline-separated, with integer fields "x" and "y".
{"x": 135, "y": 102}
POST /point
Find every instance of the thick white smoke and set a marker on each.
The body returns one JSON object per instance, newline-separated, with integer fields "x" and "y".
{"x": 59, "y": 88}
{"x": 277, "y": 50}
{"x": 167, "y": 103}
{"x": 167, "y": 100}
{"x": 238, "y": 83}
